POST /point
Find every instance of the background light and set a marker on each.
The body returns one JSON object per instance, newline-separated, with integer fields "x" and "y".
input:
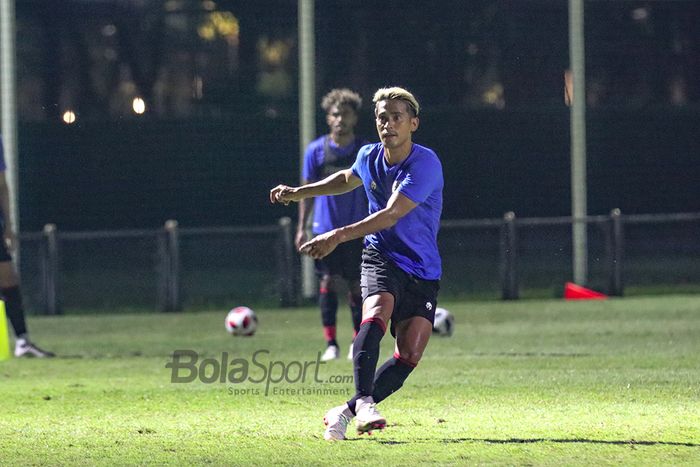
{"x": 139, "y": 105}
{"x": 69, "y": 117}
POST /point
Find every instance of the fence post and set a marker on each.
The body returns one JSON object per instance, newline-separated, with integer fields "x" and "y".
{"x": 49, "y": 271}
{"x": 286, "y": 270}
{"x": 509, "y": 277}
{"x": 169, "y": 267}
{"x": 171, "y": 228}
{"x": 616, "y": 250}
{"x": 162, "y": 268}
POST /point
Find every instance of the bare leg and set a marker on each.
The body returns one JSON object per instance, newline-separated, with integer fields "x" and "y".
{"x": 412, "y": 337}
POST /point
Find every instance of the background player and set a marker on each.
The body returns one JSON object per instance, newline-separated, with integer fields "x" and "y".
{"x": 9, "y": 281}
{"x": 326, "y": 155}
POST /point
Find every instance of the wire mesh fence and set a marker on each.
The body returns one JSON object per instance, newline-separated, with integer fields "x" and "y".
{"x": 197, "y": 268}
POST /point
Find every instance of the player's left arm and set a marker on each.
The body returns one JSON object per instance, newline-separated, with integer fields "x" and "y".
{"x": 397, "y": 207}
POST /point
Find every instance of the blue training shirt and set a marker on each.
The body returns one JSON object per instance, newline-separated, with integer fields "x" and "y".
{"x": 321, "y": 159}
{"x": 412, "y": 242}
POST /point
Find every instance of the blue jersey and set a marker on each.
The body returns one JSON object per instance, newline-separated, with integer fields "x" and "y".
{"x": 321, "y": 159}
{"x": 412, "y": 242}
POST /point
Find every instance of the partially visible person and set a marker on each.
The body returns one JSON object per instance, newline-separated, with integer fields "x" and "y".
{"x": 401, "y": 264}
{"x": 9, "y": 281}
{"x": 326, "y": 155}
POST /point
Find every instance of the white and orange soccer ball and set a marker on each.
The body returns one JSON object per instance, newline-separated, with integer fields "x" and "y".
{"x": 241, "y": 321}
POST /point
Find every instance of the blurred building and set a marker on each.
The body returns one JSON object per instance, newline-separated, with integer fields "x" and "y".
{"x": 207, "y": 58}
{"x": 144, "y": 110}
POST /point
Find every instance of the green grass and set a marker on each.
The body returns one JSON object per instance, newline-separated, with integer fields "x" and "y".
{"x": 549, "y": 382}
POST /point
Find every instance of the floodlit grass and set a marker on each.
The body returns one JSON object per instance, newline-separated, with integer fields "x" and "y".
{"x": 612, "y": 382}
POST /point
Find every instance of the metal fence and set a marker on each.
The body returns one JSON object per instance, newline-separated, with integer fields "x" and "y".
{"x": 173, "y": 268}
{"x": 515, "y": 258}
{"x": 165, "y": 269}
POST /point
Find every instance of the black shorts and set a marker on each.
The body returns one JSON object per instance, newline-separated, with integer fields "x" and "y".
{"x": 412, "y": 296}
{"x": 344, "y": 261}
{"x": 4, "y": 253}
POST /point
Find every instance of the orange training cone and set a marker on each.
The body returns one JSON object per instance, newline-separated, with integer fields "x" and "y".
{"x": 576, "y": 292}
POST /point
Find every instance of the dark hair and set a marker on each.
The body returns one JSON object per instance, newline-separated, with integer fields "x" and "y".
{"x": 342, "y": 96}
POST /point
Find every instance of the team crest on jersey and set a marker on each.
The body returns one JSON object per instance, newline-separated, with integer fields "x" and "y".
{"x": 373, "y": 185}
{"x": 428, "y": 306}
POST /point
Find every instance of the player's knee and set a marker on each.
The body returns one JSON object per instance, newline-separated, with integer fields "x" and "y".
{"x": 376, "y": 312}
{"x": 378, "y": 306}
{"x": 409, "y": 357}
{"x": 326, "y": 284}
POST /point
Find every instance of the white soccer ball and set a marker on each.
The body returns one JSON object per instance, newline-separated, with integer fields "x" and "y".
{"x": 241, "y": 321}
{"x": 444, "y": 324}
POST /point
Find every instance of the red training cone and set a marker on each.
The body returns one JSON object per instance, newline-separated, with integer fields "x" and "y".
{"x": 576, "y": 292}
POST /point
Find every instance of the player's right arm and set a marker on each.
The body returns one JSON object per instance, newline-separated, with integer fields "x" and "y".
{"x": 338, "y": 183}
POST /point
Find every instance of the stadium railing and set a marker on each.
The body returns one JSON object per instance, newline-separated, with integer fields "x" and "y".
{"x": 508, "y": 258}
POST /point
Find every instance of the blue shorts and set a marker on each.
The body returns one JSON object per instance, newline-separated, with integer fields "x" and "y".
{"x": 412, "y": 296}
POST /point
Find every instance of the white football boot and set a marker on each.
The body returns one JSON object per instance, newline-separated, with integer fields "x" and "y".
{"x": 332, "y": 352}
{"x": 367, "y": 417}
{"x": 25, "y": 348}
{"x": 336, "y": 421}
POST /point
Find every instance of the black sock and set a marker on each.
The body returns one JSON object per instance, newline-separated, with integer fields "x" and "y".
{"x": 355, "y": 302}
{"x": 14, "y": 309}
{"x": 390, "y": 378}
{"x": 328, "y": 301}
{"x": 366, "y": 354}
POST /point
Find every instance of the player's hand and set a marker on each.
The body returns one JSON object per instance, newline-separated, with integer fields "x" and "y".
{"x": 282, "y": 194}
{"x": 300, "y": 238}
{"x": 320, "y": 246}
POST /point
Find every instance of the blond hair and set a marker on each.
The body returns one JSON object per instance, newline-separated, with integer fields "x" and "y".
{"x": 398, "y": 93}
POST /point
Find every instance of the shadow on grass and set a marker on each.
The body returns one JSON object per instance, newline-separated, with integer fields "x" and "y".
{"x": 629, "y": 442}
{"x": 530, "y": 354}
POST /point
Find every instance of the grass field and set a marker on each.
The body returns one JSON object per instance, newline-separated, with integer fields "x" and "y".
{"x": 612, "y": 382}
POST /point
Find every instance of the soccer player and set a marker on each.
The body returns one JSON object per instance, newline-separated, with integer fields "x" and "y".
{"x": 9, "y": 281}
{"x": 326, "y": 155}
{"x": 401, "y": 265}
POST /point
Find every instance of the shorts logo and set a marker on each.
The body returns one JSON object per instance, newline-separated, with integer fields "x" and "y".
{"x": 428, "y": 306}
